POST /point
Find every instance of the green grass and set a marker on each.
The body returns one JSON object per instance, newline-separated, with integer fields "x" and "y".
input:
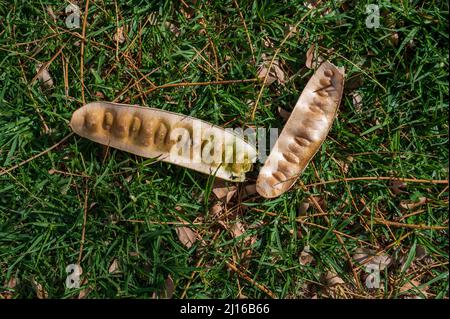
{"x": 400, "y": 131}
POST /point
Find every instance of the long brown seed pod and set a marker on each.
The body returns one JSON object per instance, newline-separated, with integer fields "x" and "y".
{"x": 304, "y": 132}
{"x": 170, "y": 137}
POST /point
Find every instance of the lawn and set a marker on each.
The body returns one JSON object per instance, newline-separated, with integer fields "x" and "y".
{"x": 368, "y": 218}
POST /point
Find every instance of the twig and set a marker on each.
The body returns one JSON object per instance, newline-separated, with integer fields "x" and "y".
{"x": 264, "y": 289}
{"x": 246, "y": 31}
{"x": 301, "y": 221}
{"x": 47, "y": 64}
{"x": 413, "y": 226}
{"x": 83, "y": 231}
{"x": 338, "y": 237}
{"x": 83, "y": 40}
{"x": 380, "y": 178}
{"x": 273, "y": 60}
{"x": 191, "y": 278}
{"x": 164, "y": 86}
{"x": 36, "y": 156}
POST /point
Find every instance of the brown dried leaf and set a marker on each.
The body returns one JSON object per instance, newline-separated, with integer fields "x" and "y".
{"x": 394, "y": 38}
{"x": 303, "y": 208}
{"x": 305, "y": 257}
{"x": 275, "y": 73}
{"x": 119, "y": 37}
{"x": 99, "y": 95}
{"x": 237, "y": 229}
{"x": 412, "y": 288}
{"x": 354, "y": 82}
{"x": 267, "y": 43}
{"x": 84, "y": 292}
{"x": 284, "y": 114}
{"x": 397, "y": 186}
{"x": 169, "y": 288}
{"x": 11, "y": 284}
{"x": 114, "y": 268}
{"x": 40, "y": 291}
{"x": 173, "y": 28}
{"x": 217, "y": 210}
{"x": 249, "y": 190}
{"x": 406, "y": 204}
{"x": 332, "y": 279}
{"x": 313, "y": 60}
{"x": 357, "y": 101}
{"x": 186, "y": 236}
{"x": 44, "y": 76}
{"x": 225, "y": 192}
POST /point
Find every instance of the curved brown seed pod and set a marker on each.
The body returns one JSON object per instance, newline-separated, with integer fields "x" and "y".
{"x": 170, "y": 137}
{"x": 304, "y": 132}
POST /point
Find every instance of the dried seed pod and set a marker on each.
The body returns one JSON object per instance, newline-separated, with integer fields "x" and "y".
{"x": 170, "y": 137}
{"x": 304, "y": 132}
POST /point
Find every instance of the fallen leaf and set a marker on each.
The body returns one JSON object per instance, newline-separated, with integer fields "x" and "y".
{"x": 114, "y": 268}
{"x": 397, "y": 186}
{"x": 357, "y": 101}
{"x": 44, "y": 76}
{"x": 84, "y": 292}
{"x": 303, "y": 207}
{"x": 369, "y": 257}
{"x": 237, "y": 229}
{"x": 332, "y": 279}
{"x": 186, "y": 236}
{"x": 217, "y": 209}
{"x": 249, "y": 190}
{"x": 267, "y": 43}
{"x": 275, "y": 73}
{"x": 225, "y": 192}
{"x": 421, "y": 252}
{"x": 169, "y": 288}
{"x": 354, "y": 82}
{"x": 394, "y": 38}
{"x": 119, "y": 37}
{"x": 11, "y": 284}
{"x": 284, "y": 114}
{"x": 313, "y": 60}
{"x": 40, "y": 291}
{"x": 412, "y": 288}
{"x": 99, "y": 95}
{"x": 173, "y": 28}
{"x": 305, "y": 257}
{"x": 407, "y": 204}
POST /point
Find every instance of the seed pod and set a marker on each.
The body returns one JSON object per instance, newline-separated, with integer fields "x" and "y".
{"x": 304, "y": 132}
{"x": 170, "y": 137}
